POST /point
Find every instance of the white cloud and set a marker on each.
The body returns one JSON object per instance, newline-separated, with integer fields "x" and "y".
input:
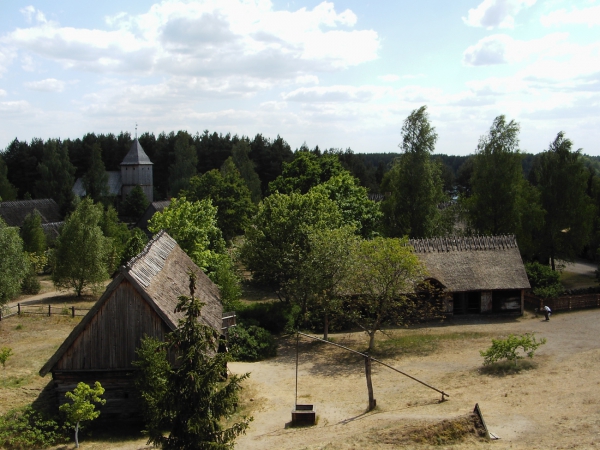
{"x": 335, "y": 94}
{"x": 30, "y": 13}
{"x": 492, "y": 14}
{"x": 2, "y": 93}
{"x": 389, "y": 78}
{"x": 503, "y": 49}
{"x": 587, "y": 16}
{"x": 47, "y": 85}
{"x": 212, "y": 39}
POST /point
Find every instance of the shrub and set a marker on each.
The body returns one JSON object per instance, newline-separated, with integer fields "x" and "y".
{"x": 29, "y": 429}
{"x": 251, "y": 343}
{"x": 508, "y": 348}
{"x": 30, "y": 284}
{"x": 275, "y": 317}
{"x": 544, "y": 281}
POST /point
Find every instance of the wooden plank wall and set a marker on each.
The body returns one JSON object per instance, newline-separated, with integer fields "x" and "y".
{"x": 110, "y": 339}
{"x": 120, "y": 395}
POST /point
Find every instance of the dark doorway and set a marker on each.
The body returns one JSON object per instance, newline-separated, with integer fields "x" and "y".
{"x": 467, "y": 302}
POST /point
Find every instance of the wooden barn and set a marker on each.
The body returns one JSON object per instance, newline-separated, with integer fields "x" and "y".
{"x": 481, "y": 274}
{"x": 140, "y": 301}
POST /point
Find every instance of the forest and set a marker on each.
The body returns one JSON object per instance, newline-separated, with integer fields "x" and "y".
{"x": 242, "y": 187}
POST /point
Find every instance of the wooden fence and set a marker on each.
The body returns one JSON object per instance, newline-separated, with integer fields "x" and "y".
{"x": 44, "y": 310}
{"x": 563, "y": 303}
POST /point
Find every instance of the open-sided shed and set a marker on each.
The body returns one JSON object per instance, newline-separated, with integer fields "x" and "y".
{"x": 140, "y": 301}
{"x": 482, "y": 274}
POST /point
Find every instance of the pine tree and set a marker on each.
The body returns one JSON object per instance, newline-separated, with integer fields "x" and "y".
{"x": 95, "y": 180}
{"x": 57, "y": 175}
{"x": 184, "y": 167}
{"x": 190, "y": 398}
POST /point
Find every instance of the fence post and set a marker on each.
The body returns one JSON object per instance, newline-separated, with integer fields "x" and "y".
{"x": 49, "y": 310}
{"x": 19, "y": 309}
{"x": 72, "y": 311}
{"x": 0, "y": 314}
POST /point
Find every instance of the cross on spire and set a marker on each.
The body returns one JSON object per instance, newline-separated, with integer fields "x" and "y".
{"x": 136, "y": 130}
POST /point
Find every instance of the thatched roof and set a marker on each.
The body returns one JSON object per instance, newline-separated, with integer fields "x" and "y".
{"x": 14, "y": 212}
{"x": 476, "y": 263}
{"x": 160, "y": 274}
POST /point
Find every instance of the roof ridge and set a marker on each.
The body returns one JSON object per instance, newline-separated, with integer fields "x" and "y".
{"x": 463, "y": 243}
{"x": 129, "y": 264}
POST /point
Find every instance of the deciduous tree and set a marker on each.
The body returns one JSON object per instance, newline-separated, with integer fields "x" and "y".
{"x": 135, "y": 203}
{"x": 81, "y": 254}
{"x": 82, "y": 408}
{"x": 277, "y": 242}
{"x": 194, "y": 226}
{"x": 228, "y": 193}
{"x": 353, "y": 202}
{"x": 497, "y": 181}
{"x": 34, "y": 239}
{"x": 385, "y": 275}
{"x": 13, "y": 263}
{"x": 414, "y": 183}
{"x": 562, "y": 182}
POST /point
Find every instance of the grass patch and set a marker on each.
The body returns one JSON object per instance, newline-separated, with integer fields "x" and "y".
{"x": 420, "y": 344}
{"x": 504, "y": 368}
{"x": 572, "y": 280}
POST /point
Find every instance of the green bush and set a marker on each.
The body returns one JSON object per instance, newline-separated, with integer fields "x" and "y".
{"x": 29, "y": 429}
{"x": 544, "y": 281}
{"x": 508, "y": 348}
{"x": 275, "y": 317}
{"x": 251, "y": 343}
{"x": 30, "y": 284}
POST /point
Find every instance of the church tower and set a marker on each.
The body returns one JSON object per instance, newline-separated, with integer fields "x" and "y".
{"x": 136, "y": 169}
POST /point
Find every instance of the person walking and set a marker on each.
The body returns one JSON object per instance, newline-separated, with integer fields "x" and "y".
{"x": 547, "y": 312}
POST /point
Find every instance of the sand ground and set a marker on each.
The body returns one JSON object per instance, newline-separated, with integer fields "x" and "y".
{"x": 554, "y": 404}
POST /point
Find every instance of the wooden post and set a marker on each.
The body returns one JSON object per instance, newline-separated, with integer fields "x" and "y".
{"x": 19, "y": 309}
{"x": 372, "y": 401}
{"x": 49, "y": 310}
{"x": 72, "y": 311}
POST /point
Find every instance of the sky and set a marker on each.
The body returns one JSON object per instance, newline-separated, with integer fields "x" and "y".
{"x": 340, "y": 74}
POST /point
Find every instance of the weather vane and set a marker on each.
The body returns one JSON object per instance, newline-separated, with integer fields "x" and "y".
{"x": 136, "y": 130}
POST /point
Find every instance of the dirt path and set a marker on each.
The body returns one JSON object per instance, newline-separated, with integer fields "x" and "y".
{"x": 554, "y": 405}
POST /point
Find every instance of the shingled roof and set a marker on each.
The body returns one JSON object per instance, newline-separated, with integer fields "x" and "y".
{"x": 14, "y": 212}
{"x": 136, "y": 155}
{"x": 474, "y": 263}
{"x": 160, "y": 274}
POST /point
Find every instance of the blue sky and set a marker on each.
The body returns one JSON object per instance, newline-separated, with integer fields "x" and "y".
{"x": 335, "y": 74}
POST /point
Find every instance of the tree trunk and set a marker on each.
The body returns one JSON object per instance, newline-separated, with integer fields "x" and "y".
{"x": 76, "y": 435}
{"x": 371, "y": 341}
{"x": 372, "y": 401}
{"x": 326, "y": 326}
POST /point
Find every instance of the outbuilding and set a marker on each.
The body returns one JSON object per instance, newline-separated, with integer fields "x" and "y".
{"x": 480, "y": 274}
{"x": 139, "y": 302}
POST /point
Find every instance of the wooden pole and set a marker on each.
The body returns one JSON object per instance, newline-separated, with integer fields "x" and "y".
{"x": 372, "y": 401}
{"x": 72, "y": 311}
{"x": 49, "y": 310}
{"x": 19, "y": 309}
{"x": 297, "y": 341}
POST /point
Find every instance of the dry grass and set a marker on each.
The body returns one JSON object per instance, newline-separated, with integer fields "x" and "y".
{"x": 33, "y": 340}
